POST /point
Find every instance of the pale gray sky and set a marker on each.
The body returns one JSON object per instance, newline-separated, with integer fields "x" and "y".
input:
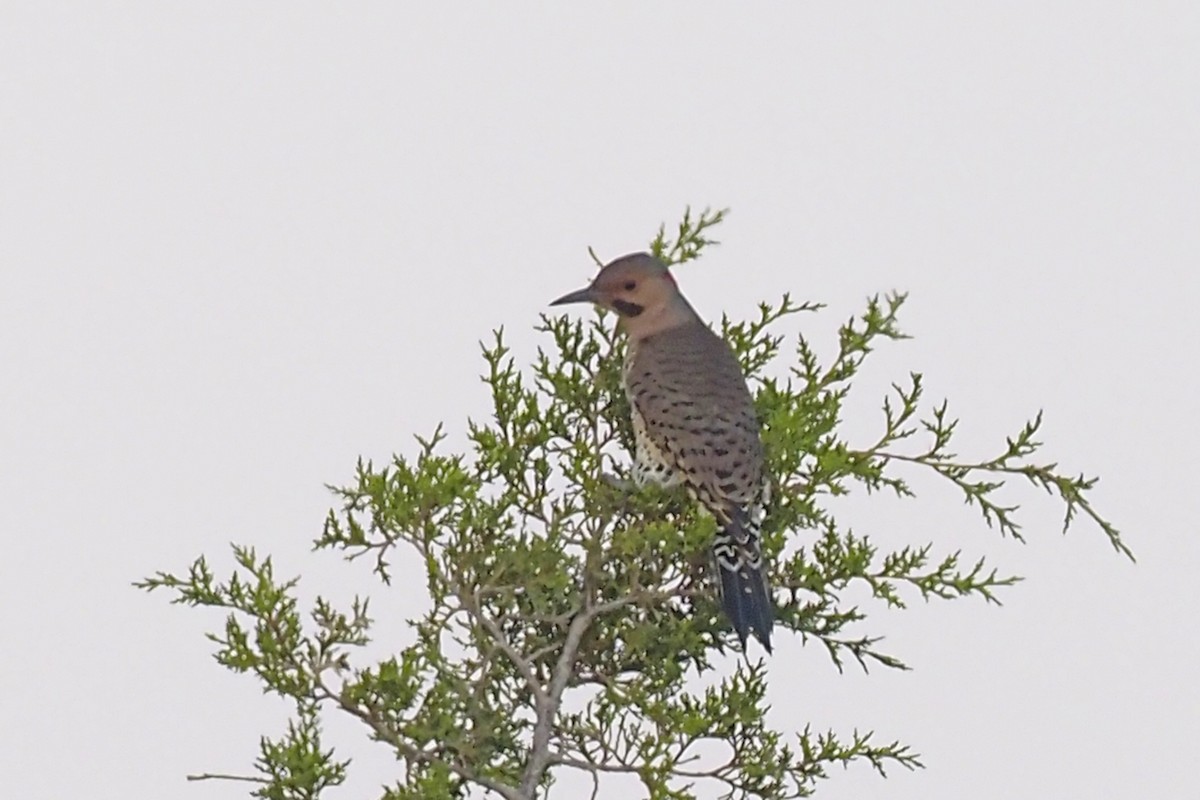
{"x": 244, "y": 243}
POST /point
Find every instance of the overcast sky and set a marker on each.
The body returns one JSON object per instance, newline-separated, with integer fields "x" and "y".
{"x": 244, "y": 243}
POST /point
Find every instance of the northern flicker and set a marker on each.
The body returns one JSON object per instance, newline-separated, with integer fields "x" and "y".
{"x": 693, "y": 423}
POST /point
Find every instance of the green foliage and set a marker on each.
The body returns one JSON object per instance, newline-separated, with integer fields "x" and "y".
{"x": 569, "y": 620}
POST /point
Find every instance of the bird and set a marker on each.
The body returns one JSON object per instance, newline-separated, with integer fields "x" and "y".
{"x": 694, "y": 424}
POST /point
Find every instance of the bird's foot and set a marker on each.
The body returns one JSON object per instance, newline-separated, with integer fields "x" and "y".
{"x": 623, "y": 485}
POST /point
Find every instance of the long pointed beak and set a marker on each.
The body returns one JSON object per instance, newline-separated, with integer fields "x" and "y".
{"x": 585, "y": 295}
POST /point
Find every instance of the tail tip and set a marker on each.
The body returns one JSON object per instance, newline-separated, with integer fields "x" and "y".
{"x": 761, "y": 633}
{"x": 760, "y": 629}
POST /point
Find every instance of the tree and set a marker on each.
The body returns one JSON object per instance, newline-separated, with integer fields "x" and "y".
{"x": 568, "y": 617}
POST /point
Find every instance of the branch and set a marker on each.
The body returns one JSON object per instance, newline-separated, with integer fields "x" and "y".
{"x": 523, "y": 664}
{"x": 539, "y": 753}
{"x": 1069, "y": 491}
{"x": 409, "y": 751}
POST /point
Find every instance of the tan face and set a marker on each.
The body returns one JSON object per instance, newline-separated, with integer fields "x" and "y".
{"x": 632, "y": 285}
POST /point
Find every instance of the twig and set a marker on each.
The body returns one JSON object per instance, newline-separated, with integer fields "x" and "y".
{"x": 218, "y": 776}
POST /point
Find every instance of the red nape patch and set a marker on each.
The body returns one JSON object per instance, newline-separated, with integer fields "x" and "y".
{"x": 671, "y": 278}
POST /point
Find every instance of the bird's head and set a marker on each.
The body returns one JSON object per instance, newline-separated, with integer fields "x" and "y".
{"x": 642, "y": 292}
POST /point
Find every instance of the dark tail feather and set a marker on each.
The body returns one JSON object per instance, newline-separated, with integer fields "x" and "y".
{"x": 744, "y": 594}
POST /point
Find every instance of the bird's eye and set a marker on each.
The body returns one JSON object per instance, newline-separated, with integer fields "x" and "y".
{"x": 630, "y": 285}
